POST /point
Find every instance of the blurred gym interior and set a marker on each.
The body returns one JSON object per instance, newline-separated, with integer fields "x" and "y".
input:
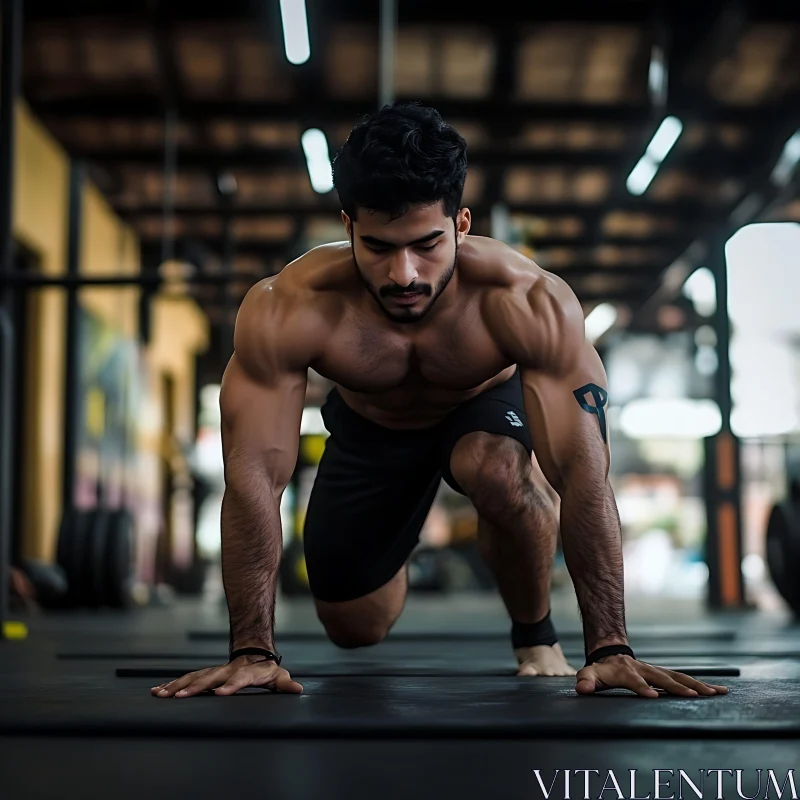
{"x": 156, "y": 163}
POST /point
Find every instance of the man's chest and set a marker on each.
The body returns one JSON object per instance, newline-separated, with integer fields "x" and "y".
{"x": 458, "y": 355}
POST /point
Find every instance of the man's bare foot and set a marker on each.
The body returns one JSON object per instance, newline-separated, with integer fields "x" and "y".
{"x": 543, "y": 660}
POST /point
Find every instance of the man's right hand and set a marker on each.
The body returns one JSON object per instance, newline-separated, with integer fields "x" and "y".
{"x": 230, "y": 678}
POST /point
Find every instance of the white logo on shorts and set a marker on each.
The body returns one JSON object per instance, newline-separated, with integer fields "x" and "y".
{"x": 514, "y": 419}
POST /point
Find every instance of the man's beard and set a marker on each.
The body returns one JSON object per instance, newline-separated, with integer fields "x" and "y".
{"x": 403, "y": 315}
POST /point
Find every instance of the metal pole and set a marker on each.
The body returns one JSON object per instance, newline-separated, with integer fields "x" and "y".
{"x": 658, "y": 74}
{"x": 388, "y": 39}
{"x": 226, "y": 329}
{"x": 6, "y": 432}
{"x": 149, "y": 281}
{"x": 77, "y": 177}
{"x": 723, "y": 482}
{"x": 170, "y": 171}
{"x": 9, "y": 92}
{"x": 722, "y": 329}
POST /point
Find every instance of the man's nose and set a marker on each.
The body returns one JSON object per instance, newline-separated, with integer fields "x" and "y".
{"x": 402, "y": 270}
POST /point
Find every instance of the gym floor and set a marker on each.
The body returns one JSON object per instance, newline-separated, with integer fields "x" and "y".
{"x": 434, "y": 711}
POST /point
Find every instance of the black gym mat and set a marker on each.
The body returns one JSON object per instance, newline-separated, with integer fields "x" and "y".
{"x": 404, "y": 651}
{"x": 128, "y": 656}
{"x": 400, "y": 671}
{"x": 643, "y": 635}
{"x": 167, "y": 768}
{"x": 467, "y": 707}
{"x": 337, "y": 663}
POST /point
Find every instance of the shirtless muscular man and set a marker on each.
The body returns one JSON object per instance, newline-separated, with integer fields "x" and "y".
{"x": 453, "y": 356}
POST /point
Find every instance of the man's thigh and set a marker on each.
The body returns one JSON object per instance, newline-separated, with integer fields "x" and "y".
{"x": 497, "y": 413}
{"x": 371, "y": 495}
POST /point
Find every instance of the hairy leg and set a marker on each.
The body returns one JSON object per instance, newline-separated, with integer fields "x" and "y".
{"x": 517, "y": 533}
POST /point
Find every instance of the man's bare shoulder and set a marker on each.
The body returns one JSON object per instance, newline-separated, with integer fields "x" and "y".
{"x": 295, "y": 311}
{"x": 327, "y": 268}
{"x": 533, "y": 314}
{"x": 307, "y": 286}
{"x": 489, "y": 263}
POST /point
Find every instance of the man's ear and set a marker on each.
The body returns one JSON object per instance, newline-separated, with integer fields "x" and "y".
{"x": 348, "y": 226}
{"x": 463, "y": 223}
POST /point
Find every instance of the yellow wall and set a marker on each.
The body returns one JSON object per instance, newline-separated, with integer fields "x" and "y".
{"x": 108, "y": 246}
{"x": 40, "y": 224}
{"x": 179, "y": 331}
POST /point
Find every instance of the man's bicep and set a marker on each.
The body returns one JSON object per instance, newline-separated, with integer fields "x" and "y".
{"x": 261, "y": 423}
{"x": 568, "y": 419}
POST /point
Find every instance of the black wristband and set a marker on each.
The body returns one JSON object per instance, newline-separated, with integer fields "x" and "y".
{"x": 255, "y": 651}
{"x": 610, "y": 650}
{"x": 533, "y": 634}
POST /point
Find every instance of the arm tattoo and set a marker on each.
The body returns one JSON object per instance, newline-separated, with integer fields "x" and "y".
{"x": 600, "y": 397}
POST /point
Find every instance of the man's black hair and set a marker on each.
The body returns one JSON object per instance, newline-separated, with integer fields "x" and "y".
{"x": 400, "y": 156}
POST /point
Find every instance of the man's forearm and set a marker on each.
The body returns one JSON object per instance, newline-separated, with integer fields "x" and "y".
{"x": 590, "y": 536}
{"x": 251, "y": 555}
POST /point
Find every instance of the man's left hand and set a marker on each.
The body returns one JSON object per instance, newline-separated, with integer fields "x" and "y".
{"x": 624, "y": 672}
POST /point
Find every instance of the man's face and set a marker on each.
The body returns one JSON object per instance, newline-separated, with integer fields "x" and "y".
{"x": 406, "y": 263}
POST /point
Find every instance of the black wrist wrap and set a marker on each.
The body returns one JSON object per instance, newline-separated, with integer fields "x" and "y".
{"x": 610, "y": 650}
{"x": 532, "y": 634}
{"x": 255, "y": 651}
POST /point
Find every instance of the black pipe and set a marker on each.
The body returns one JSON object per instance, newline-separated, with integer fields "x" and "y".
{"x": 9, "y": 93}
{"x": 722, "y": 328}
{"x": 723, "y": 474}
{"x": 226, "y": 327}
{"x": 72, "y": 409}
{"x": 10, "y": 84}
{"x": 170, "y": 176}
{"x": 6, "y": 433}
{"x": 37, "y": 281}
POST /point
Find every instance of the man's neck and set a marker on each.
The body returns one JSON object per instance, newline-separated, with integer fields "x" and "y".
{"x": 444, "y": 305}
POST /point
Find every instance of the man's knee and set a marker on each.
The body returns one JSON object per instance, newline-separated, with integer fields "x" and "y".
{"x": 495, "y": 473}
{"x": 353, "y": 623}
{"x": 350, "y": 637}
{"x": 491, "y": 468}
{"x": 366, "y": 620}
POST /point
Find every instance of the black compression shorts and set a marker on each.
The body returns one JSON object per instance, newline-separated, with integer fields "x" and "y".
{"x": 375, "y": 486}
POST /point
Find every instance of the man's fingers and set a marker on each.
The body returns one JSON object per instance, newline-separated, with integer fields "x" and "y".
{"x": 210, "y": 681}
{"x": 229, "y": 679}
{"x": 239, "y": 680}
{"x": 279, "y": 679}
{"x": 618, "y": 676}
{"x": 172, "y": 688}
{"x": 169, "y": 689}
{"x": 663, "y": 681}
{"x": 269, "y": 677}
{"x": 587, "y": 681}
{"x": 707, "y": 689}
{"x": 284, "y": 683}
{"x": 636, "y": 683}
{"x": 641, "y": 678}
